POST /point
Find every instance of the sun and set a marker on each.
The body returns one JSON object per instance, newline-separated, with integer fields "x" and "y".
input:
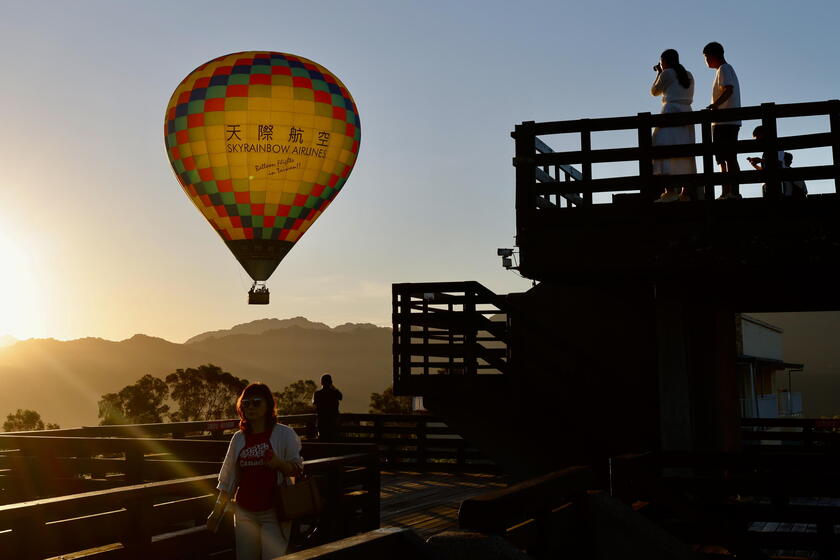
{"x": 19, "y": 306}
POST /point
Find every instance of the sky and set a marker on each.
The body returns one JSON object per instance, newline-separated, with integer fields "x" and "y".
{"x": 98, "y": 239}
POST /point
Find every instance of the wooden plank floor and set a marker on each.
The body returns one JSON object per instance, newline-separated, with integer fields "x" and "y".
{"x": 428, "y": 502}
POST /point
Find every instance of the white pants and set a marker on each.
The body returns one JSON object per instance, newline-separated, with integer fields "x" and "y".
{"x": 259, "y": 536}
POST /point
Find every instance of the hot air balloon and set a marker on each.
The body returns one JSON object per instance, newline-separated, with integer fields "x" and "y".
{"x": 261, "y": 142}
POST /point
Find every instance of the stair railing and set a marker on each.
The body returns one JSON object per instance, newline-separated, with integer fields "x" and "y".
{"x": 448, "y": 329}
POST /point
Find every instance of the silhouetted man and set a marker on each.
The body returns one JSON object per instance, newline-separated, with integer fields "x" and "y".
{"x": 326, "y": 405}
{"x": 726, "y": 94}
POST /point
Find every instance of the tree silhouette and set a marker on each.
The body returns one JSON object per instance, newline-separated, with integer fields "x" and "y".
{"x": 141, "y": 403}
{"x": 25, "y": 420}
{"x": 204, "y": 393}
{"x": 387, "y": 402}
{"x": 296, "y": 398}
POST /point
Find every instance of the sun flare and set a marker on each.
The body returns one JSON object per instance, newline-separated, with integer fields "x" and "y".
{"x": 19, "y": 309}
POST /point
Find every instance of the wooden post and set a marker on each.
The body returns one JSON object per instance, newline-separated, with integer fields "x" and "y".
{"x": 396, "y": 319}
{"x": 133, "y": 465}
{"x": 336, "y": 493}
{"x": 526, "y": 176}
{"x": 28, "y": 532}
{"x": 645, "y": 161}
{"x": 708, "y": 158}
{"x": 312, "y": 426}
{"x": 771, "y": 146}
{"x": 372, "y": 486}
{"x": 138, "y": 530}
{"x": 834, "y": 118}
{"x": 402, "y": 335}
{"x": 421, "y": 443}
{"x": 451, "y": 340}
{"x": 586, "y": 164}
{"x": 470, "y": 333}
{"x": 425, "y": 338}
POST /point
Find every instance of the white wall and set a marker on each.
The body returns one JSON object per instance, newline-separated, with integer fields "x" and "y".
{"x": 760, "y": 340}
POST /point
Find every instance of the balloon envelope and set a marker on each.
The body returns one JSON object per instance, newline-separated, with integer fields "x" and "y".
{"x": 261, "y": 142}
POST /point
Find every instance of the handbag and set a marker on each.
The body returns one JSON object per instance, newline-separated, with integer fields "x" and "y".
{"x": 302, "y": 499}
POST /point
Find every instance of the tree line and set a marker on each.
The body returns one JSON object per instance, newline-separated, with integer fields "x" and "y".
{"x": 206, "y": 392}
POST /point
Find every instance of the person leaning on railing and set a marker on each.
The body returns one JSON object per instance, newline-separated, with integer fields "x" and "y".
{"x": 326, "y": 401}
{"x": 259, "y": 458}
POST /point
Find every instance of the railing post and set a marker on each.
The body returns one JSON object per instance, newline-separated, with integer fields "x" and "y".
{"x": 586, "y": 164}
{"x": 834, "y": 119}
{"x": 470, "y": 333}
{"x": 708, "y": 157}
{"x": 28, "y": 532}
{"x": 526, "y": 176}
{"x": 138, "y": 530}
{"x": 425, "y": 314}
{"x": 421, "y": 442}
{"x": 312, "y": 426}
{"x": 645, "y": 159}
{"x": 133, "y": 465}
{"x": 373, "y": 484}
{"x": 401, "y": 297}
{"x": 451, "y": 340}
{"x": 336, "y": 496}
{"x": 770, "y": 145}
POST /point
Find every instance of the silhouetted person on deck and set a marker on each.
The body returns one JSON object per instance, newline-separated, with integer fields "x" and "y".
{"x": 726, "y": 94}
{"x": 795, "y": 188}
{"x": 675, "y": 85}
{"x": 326, "y": 405}
{"x": 760, "y": 164}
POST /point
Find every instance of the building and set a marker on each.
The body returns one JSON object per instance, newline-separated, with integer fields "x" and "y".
{"x": 764, "y": 390}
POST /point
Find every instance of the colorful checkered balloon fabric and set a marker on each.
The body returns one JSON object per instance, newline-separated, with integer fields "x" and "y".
{"x": 262, "y": 142}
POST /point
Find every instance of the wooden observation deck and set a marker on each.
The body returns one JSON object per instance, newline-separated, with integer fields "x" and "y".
{"x": 630, "y": 331}
{"x": 772, "y": 253}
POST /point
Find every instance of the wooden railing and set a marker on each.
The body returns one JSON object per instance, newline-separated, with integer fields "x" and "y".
{"x": 539, "y": 168}
{"x": 540, "y": 515}
{"x": 416, "y": 440}
{"x": 43, "y": 466}
{"x": 744, "y": 501}
{"x": 413, "y": 440}
{"x": 159, "y": 518}
{"x": 52, "y": 462}
{"x": 820, "y": 435}
{"x": 448, "y": 329}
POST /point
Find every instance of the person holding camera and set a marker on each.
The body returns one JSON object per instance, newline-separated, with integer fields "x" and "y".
{"x": 675, "y": 85}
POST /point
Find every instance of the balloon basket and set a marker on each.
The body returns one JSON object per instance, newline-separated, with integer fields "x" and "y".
{"x": 258, "y": 295}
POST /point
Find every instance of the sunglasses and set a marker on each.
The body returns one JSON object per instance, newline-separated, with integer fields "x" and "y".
{"x": 255, "y": 402}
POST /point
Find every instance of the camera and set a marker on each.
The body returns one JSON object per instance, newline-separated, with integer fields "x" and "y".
{"x": 657, "y": 68}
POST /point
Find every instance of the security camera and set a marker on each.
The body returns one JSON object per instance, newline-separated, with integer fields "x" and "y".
{"x": 504, "y": 252}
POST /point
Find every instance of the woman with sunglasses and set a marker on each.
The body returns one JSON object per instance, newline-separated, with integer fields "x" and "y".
{"x": 258, "y": 458}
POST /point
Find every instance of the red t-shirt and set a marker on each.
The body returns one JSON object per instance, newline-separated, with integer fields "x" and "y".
{"x": 256, "y": 480}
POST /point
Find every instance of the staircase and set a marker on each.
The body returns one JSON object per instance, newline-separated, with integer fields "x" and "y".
{"x": 539, "y": 380}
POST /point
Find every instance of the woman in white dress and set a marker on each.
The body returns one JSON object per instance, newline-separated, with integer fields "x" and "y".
{"x": 676, "y": 86}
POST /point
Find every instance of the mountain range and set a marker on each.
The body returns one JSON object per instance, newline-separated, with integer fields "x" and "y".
{"x": 64, "y": 380}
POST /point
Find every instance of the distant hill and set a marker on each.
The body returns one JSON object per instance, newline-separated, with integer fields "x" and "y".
{"x": 259, "y": 327}
{"x": 63, "y": 380}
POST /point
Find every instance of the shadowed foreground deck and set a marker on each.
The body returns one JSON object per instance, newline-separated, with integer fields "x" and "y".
{"x": 428, "y": 502}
